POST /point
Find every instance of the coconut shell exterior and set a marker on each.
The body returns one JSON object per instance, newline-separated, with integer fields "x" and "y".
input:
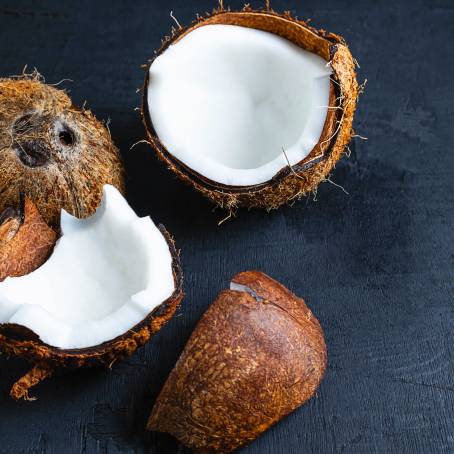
{"x": 304, "y": 177}
{"x": 253, "y": 358}
{"x": 57, "y": 154}
{"x": 20, "y": 341}
{"x": 26, "y": 241}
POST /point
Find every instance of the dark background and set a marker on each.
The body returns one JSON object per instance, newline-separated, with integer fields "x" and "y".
{"x": 376, "y": 266}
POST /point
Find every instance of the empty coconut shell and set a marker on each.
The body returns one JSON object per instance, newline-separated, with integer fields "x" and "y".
{"x": 54, "y": 152}
{"x": 293, "y": 180}
{"x": 257, "y": 354}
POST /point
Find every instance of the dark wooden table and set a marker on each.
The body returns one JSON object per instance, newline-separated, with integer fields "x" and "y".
{"x": 376, "y": 266}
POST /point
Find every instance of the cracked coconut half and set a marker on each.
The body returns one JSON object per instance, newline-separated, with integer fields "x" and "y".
{"x": 252, "y": 108}
{"x": 110, "y": 283}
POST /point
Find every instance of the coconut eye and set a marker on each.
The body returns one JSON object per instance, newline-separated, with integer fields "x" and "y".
{"x": 33, "y": 154}
{"x": 66, "y": 137}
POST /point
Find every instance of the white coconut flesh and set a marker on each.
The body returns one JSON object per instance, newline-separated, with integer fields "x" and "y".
{"x": 106, "y": 274}
{"x": 237, "y": 104}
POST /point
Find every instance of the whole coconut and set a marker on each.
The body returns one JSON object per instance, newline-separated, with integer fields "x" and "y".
{"x": 57, "y": 154}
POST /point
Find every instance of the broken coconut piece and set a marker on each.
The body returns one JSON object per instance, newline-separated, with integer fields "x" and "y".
{"x": 26, "y": 241}
{"x": 111, "y": 282}
{"x": 257, "y": 354}
{"x": 54, "y": 152}
{"x": 252, "y": 108}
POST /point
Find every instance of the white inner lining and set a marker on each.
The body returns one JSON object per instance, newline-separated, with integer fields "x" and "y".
{"x": 106, "y": 274}
{"x": 227, "y": 100}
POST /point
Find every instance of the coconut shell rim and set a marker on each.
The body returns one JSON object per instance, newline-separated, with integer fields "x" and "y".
{"x": 210, "y": 185}
{"x": 165, "y": 310}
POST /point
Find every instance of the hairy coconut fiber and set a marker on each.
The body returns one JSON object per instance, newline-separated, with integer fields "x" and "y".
{"x": 58, "y": 155}
{"x": 257, "y": 354}
{"x": 19, "y": 341}
{"x": 303, "y": 178}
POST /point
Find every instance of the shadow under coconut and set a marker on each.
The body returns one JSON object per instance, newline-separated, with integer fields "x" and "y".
{"x": 151, "y": 189}
{"x": 132, "y": 384}
{"x": 154, "y": 190}
{"x": 356, "y": 240}
{"x": 357, "y": 263}
{"x": 364, "y": 232}
{"x": 136, "y": 383}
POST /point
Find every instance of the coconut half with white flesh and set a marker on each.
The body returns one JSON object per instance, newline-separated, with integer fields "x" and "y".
{"x": 110, "y": 283}
{"x": 252, "y": 108}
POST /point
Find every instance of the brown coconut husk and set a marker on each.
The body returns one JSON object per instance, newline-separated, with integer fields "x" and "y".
{"x": 57, "y": 154}
{"x": 25, "y": 247}
{"x": 254, "y": 357}
{"x": 302, "y": 178}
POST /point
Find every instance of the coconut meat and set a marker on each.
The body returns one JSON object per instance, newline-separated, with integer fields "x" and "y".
{"x": 106, "y": 274}
{"x": 236, "y": 104}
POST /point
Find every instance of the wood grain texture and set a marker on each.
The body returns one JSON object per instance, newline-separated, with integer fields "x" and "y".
{"x": 376, "y": 266}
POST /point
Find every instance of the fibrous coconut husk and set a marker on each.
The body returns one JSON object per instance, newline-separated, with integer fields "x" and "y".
{"x": 57, "y": 154}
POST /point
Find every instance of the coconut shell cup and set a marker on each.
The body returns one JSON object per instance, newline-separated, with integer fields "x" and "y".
{"x": 25, "y": 243}
{"x": 292, "y": 182}
{"x": 257, "y": 354}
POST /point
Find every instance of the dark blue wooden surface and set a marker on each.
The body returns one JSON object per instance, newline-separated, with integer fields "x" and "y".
{"x": 376, "y": 266}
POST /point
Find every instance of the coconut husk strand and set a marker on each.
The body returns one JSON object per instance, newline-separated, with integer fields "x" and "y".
{"x": 57, "y": 154}
{"x": 257, "y": 354}
{"x": 303, "y": 178}
{"x": 25, "y": 243}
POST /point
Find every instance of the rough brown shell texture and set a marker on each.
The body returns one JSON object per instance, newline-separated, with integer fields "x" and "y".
{"x": 254, "y": 357}
{"x": 303, "y": 178}
{"x": 26, "y": 241}
{"x": 34, "y": 239}
{"x": 60, "y": 156}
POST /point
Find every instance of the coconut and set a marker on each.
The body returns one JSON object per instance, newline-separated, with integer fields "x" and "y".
{"x": 26, "y": 241}
{"x": 57, "y": 154}
{"x": 252, "y": 108}
{"x": 111, "y": 282}
{"x": 257, "y": 354}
